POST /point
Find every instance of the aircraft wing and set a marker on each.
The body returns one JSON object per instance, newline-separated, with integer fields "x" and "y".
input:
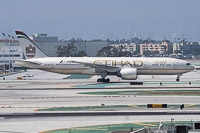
{"x": 25, "y": 63}
{"x": 99, "y": 68}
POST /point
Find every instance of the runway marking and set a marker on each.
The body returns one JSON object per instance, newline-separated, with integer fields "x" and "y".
{"x": 80, "y": 128}
{"x": 145, "y": 124}
{"x": 132, "y": 105}
{"x": 190, "y": 105}
{"x": 87, "y": 129}
{"x": 54, "y": 130}
{"x": 99, "y": 85}
{"x": 147, "y": 92}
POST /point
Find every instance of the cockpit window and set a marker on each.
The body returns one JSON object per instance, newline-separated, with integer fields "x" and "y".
{"x": 188, "y": 64}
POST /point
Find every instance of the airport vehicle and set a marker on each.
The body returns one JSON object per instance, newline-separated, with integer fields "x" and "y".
{"x": 128, "y": 68}
{"x": 27, "y": 76}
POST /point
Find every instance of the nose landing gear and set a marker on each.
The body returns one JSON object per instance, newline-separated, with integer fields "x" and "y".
{"x": 178, "y": 78}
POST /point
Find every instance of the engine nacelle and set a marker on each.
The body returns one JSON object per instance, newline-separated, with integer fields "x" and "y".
{"x": 128, "y": 73}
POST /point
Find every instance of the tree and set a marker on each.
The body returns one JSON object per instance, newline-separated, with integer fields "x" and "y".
{"x": 111, "y": 51}
{"x": 177, "y": 51}
{"x": 105, "y": 51}
{"x": 155, "y": 53}
{"x": 70, "y": 51}
{"x": 147, "y": 53}
{"x": 195, "y": 50}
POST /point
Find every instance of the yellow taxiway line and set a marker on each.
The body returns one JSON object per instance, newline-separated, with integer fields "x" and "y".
{"x": 132, "y": 105}
{"x": 87, "y": 129}
{"x": 190, "y": 105}
{"x": 146, "y": 124}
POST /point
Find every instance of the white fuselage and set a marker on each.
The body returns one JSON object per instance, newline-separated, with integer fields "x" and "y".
{"x": 144, "y": 65}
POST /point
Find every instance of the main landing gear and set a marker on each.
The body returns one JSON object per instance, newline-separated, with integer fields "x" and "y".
{"x": 103, "y": 78}
{"x": 178, "y": 78}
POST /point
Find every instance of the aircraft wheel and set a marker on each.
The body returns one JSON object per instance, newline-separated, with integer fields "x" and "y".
{"x": 178, "y": 78}
{"x": 99, "y": 80}
{"x": 107, "y": 80}
{"x": 103, "y": 80}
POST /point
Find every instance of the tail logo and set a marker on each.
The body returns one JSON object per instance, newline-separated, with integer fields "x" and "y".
{"x": 30, "y": 51}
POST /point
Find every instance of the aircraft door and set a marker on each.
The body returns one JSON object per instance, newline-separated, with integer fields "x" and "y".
{"x": 175, "y": 65}
{"x": 145, "y": 64}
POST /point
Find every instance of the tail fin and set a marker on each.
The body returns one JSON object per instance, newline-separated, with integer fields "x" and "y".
{"x": 30, "y": 49}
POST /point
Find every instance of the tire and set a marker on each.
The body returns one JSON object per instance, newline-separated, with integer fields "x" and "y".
{"x": 107, "y": 80}
{"x": 103, "y": 80}
{"x": 99, "y": 80}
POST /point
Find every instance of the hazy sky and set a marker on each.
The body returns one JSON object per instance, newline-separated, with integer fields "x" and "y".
{"x": 93, "y": 19}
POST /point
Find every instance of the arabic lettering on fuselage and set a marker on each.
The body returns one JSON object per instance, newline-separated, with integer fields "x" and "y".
{"x": 160, "y": 62}
{"x": 134, "y": 63}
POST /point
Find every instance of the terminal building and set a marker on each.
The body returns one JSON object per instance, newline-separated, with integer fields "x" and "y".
{"x": 10, "y": 50}
{"x": 91, "y": 47}
{"x": 44, "y": 38}
{"x": 49, "y": 44}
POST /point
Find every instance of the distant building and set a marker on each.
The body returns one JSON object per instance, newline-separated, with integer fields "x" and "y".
{"x": 10, "y": 51}
{"x": 43, "y": 37}
{"x": 49, "y": 46}
{"x": 127, "y": 47}
{"x": 186, "y": 48}
{"x": 152, "y": 47}
{"x": 91, "y": 47}
{"x": 131, "y": 47}
{"x": 177, "y": 46}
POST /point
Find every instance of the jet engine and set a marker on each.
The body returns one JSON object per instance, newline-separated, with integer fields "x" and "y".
{"x": 128, "y": 73}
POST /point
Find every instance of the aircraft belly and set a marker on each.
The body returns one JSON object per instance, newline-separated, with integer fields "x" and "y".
{"x": 68, "y": 70}
{"x": 161, "y": 71}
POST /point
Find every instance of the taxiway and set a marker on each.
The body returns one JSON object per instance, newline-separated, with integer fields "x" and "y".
{"x": 20, "y": 101}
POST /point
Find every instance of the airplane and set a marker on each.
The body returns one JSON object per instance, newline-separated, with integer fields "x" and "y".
{"x": 127, "y": 68}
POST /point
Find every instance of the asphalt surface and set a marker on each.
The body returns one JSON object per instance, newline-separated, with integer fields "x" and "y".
{"x": 20, "y": 98}
{"x": 26, "y": 115}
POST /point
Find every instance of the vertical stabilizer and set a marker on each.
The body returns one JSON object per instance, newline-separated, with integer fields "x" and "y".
{"x": 30, "y": 49}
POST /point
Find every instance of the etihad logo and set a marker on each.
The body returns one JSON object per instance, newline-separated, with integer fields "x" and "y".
{"x": 134, "y": 63}
{"x": 30, "y": 51}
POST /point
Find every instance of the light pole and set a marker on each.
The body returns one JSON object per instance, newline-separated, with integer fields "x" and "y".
{"x": 3, "y": 55}
{"x": 171, "y": 123}
{"x": 3, "y": 60}
{"x": 13, "y": 54}
{"x": 9, "y": 50}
